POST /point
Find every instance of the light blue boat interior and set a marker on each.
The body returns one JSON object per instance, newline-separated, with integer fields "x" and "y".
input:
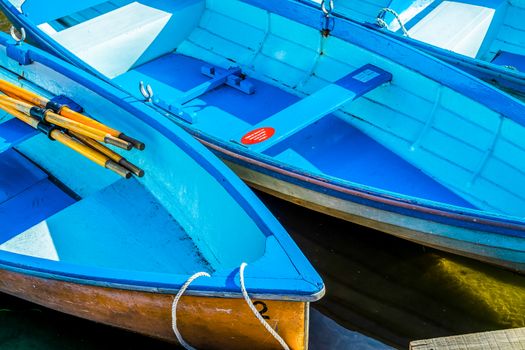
{"x": 409, "y": 136}
{"x": 62, "y": 214}
{"x": 491, "y": 31}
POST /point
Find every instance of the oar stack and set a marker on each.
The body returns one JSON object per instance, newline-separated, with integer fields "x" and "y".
{"x": 74, "y": 130}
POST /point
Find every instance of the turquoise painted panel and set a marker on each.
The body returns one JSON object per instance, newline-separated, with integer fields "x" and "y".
{"x": 233, "y": 8}
{"x": 84, "y": 178}
{"x": 289, "y": 53}
{"x": 13, "y": 132}
{"x": 126, "y": 216}
{"x": 229, "y": 50}
{"x": 230, "y": 29}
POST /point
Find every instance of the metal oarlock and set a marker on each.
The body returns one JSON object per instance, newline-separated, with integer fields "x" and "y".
{"x": 19, "y": 39}
{"x": 146, "y": 91}
{"x": 327, "y": 21}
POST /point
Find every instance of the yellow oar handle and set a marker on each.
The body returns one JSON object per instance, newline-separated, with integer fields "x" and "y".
{"x": 63, "y": 122}
{"x": 35, "y": 99}
{"x": 90, "y": 153}
{"x": 88, "y": 131}
{"x": 57, "y": 135}
{"x": 108, "y": 152}
{"x": 69, "y": 113}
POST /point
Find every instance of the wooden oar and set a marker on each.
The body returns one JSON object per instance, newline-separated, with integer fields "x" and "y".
{"x": 53, "y": 118}
{"x": 55, "y": 134}
{"x": 16, "y": 91}
{"x": 112, "y": 155}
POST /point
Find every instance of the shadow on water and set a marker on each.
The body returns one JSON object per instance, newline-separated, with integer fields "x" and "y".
{"x": 396, "y": 291}
{"x": 386, "y": 288}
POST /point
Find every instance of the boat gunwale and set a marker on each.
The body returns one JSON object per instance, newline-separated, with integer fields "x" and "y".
{"x": 27, "y": 265}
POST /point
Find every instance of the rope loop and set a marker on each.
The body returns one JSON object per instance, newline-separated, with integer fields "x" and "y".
{"x": 245, "y": 295}
{"x": 174, "y": 309}
{"x": 380, "y": 20}
{"x": 19, "y": 39}
{"x": 255, "y": 312}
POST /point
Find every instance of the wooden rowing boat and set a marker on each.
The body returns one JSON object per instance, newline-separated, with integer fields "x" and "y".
{"x": 315, "y": 109}
{"x": 80, "y": 239}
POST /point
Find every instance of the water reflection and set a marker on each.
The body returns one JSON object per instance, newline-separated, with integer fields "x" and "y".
{"x": 397, "y": 291}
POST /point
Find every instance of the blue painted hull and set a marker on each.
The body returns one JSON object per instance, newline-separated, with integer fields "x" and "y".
{"x": 381, "y": 183}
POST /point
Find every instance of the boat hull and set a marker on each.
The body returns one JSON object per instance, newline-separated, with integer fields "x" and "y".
{"x": 482, "y": 245}
{"x": 204, "y": 322}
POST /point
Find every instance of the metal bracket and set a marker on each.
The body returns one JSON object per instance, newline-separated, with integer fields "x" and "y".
{"x": 15, "y": 51}
{"x": 232, "y": 77}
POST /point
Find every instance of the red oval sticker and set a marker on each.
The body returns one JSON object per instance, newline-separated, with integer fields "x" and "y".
{"x": 257, "y": 136}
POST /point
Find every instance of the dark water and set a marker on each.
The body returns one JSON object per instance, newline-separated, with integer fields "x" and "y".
{"x": 381, "y": 291}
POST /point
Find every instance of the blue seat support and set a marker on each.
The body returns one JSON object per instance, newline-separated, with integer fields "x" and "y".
{"x": 231, "y": 77}
{"x": 307, "y": 111}
{"x": 13, "y": 132}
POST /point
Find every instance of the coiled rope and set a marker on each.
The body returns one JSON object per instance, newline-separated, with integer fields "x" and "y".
{"x": 245, "y": 296}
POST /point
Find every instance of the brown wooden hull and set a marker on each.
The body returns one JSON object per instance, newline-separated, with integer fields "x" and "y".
{"x": 204, "y": 322}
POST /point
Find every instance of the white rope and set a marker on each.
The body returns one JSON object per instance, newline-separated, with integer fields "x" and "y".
{"x": 256, "y": 313}
{"x": 174, "y": 308}
{"x": 381, "y": 22}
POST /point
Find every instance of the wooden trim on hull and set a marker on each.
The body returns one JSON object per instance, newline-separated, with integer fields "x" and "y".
{"x": 204, "y": 322}
{"x": 377, "y": 219}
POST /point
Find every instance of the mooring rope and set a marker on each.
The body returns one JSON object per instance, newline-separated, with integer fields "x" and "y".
{"x": 382, "y": 23}
{"x": 245, "y": 296}
{"x": 256, "y": 313}
{"x": 174, "y": 308}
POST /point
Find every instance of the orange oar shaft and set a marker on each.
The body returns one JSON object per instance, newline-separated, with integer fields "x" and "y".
{"x": 108, "y": 152}
{"x": 71, "y": 114}
{"x": 66, "y": 140}
{"x": 37, "y": 100}
{"x": 63, "y": 122}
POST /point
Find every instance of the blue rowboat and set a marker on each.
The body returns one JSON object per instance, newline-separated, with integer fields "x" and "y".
{"x": 485, "y": 38}
{"x": 80, "y": 239}
{"x": 328, "y": 114}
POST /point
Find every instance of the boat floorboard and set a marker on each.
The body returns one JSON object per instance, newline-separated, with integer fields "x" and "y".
{"x": 330, "y": 147}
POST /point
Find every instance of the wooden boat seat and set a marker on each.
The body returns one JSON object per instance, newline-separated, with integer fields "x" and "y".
{"x": 455, "y": 26}
{"x": 13, "y": 132}
{"x": 510, "y": 60}
{"x": 308, "y": 110}
{"x": 132, "y": 34}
